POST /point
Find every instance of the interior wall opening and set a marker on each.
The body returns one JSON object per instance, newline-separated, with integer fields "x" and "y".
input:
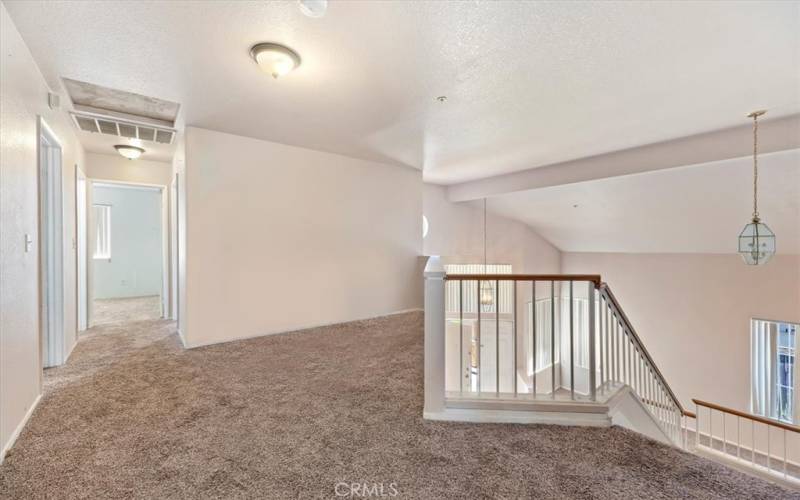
{"x": 127, "y": 253}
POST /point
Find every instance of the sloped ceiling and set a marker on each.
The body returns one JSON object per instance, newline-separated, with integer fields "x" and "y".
{"x": 695, "y": 209}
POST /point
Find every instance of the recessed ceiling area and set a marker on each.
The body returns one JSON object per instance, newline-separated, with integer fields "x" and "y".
{"x": 694, "y": 209}
{"x": 527, "y": 83}
{"x": 96, "y": 97}
{"x": 106, "y": 117}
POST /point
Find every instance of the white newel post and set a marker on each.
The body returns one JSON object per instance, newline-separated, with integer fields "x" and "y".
{"x": 434, "y": 337}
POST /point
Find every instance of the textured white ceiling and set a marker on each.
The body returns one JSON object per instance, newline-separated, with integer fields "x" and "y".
{"x": 528, "y": 83}
{"x": 695, "y": 209}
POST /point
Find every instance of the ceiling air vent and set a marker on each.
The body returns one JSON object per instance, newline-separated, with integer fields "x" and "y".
{"x": 86, "y": 124}
{"x": 90, "y": 122}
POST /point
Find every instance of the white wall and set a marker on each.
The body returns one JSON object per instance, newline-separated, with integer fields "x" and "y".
{"x": 113, "y": 167}
{"x": 134, "y": 269}
{"x": 456, "y": 233}
{"x": 693, "y": 313}
{"x": 282, "y": 238}
{"x": 23, "y": 96}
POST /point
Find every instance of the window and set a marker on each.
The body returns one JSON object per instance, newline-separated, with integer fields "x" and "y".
{"x": 787, "y": 347}
{"x": 102, "y": 218}
{"x": 774, "y": 370}
{"x": 470, "y": 295}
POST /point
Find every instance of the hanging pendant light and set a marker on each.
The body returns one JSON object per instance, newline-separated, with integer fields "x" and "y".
{"x": 756, "y": 241}
{"x": 487, "y": 291}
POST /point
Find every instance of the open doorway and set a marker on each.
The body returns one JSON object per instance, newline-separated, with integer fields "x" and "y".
{"x": 51, "y": 254}
{"x": 127, "y": 245}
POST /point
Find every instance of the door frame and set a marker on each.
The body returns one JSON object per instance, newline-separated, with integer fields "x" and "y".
{"x": 82, "y": 248}
{"x": 165, "y": 235}
{"x": 51, "y": 245}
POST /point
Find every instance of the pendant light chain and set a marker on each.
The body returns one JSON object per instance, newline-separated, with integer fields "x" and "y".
{"x": 484, "y": 236}
{"x": 755, "y": 167}
{"x": 756, "y": 241}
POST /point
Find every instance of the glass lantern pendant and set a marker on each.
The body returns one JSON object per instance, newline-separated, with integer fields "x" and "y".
{"x": 756, "y": 241}
{"x": 487, "y": 296}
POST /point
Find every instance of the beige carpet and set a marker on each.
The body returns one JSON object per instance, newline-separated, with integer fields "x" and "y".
{"x": 107, "y": 311}
{"x": 133, "y": 415}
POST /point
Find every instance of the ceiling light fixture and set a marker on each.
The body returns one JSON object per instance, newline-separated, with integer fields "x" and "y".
{"x": 129, "y": 152}
{"x": 274, "y": 58}
{"x": 313, "y": 8}
{"x": 756, "y": 241}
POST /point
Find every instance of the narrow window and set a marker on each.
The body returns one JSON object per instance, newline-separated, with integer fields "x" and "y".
{"x": 774, "y": 370}
{"x": 102, "y": 217}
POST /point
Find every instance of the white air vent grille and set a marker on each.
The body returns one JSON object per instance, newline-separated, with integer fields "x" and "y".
{"x": 120, "y": 128}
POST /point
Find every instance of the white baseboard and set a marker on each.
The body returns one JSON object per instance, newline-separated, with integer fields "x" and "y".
{"x": 520, "y": 417}
{"x": 18, "y": 430}
{"x": 183, "y": 339}
{"x": 69, "y": 353}
{"x": 299, "y": 330}
{"x": 753, "y": 470}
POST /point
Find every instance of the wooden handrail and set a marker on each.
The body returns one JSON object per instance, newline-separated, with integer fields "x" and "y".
{"x": 594, "y": 278}
{"x": 757, "y": 418}
{"x": 687, "y": 413}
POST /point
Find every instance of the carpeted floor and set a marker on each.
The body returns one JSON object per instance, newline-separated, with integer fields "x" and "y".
{"x": 133, "y": 415}
{"x": 106, "y": 311}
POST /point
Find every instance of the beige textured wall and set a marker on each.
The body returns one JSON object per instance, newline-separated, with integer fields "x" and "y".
{"x": 282, "y": 238}
{"x": 113, "y": 167}
{"x": 693, "y": 313}
{"x": 456, "y": 232}
{"x": 23, "y": 97}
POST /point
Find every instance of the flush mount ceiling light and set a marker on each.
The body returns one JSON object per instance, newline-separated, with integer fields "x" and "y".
{"x": 756, "y": 241}
{"x": 274, "y": 58}
{"x": 313, "y": 8}
{"x": 129, "y": 152}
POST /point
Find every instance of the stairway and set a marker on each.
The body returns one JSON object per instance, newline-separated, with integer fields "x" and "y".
{"x": 554, "y": 349}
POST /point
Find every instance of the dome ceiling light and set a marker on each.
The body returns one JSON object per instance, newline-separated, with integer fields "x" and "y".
{"x": 756, "y": 241}
{"x": 274, "y": 58}
{"x": 128, "y": 151}
{"x": 313, "y": 8}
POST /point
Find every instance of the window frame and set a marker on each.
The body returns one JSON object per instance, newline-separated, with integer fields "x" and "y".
{"x": 770, "y": 395}
{"x": 106, "y": 254}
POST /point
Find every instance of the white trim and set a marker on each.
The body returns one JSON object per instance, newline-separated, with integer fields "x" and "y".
{"x": 51, "y": 215}
{"x": 164, "y": 202}
{"x": 128, "y": 185}
{"x": 69, "y": 353}
{"x": 81, "y": 250}
{"x": 14, "y": 435}
{"x": 299, "y": 330}
{"x": 753, "y": 470}
{"x": 183, "y": 340}
{"x": 124, "y": 184}
{"x": 520, "y": 417}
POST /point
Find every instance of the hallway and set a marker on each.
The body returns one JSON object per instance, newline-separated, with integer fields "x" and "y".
{"x": 133, "y": 414}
